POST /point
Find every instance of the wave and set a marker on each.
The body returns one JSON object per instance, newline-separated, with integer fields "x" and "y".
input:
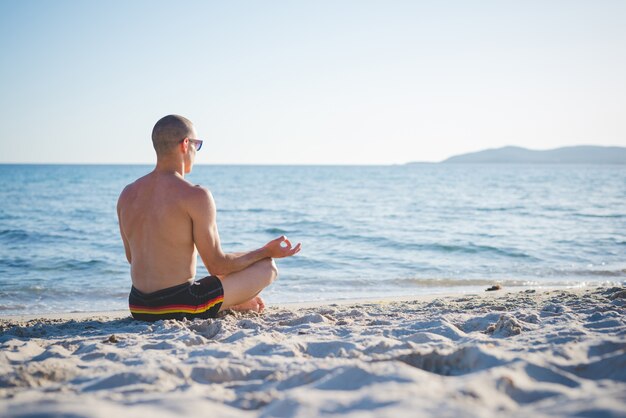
{"x": 589, "y": 272}
{"x": 284, "y": 212}
{"x": 318, "y": 263}
{"x": 70, "y": 265}
{"x": 468, "y": 248}
{"x": 250, "y": 210}
{"x": 308, "y": 225}
{"x": 43, "y": 265}
{"x": 472, "y": 248}
{"x": 595, "y": 215}
{"x": 16, "y": 236}
{"x": 16, "y": 307}
{"x": 498, "y": 209}
{"x": 13, "y": 235}
{"x": 16, "y": 262}
{"x": 303, "y": 228}
{"x": 451, "y": 282}
{"x": 520, "y": 282}
{"x": 276, "y": 231}
{"x": 54, "y": 291}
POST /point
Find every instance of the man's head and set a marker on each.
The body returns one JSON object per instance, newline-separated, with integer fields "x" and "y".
{"x": 175, "y": 136}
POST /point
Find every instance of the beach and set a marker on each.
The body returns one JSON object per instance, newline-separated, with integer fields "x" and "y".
{"x": 534, "y": 352}
{"x": 428, "y": 196}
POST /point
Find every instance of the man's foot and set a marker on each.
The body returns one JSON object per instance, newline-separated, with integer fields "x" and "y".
{"x": 255, "y": 304}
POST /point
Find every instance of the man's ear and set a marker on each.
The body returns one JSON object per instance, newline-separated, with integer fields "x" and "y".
{"x": 184, "y": 145}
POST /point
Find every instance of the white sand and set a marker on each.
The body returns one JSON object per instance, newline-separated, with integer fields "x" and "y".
{"x": 544, "y": 353}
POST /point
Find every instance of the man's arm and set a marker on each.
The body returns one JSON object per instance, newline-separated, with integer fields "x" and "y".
{"x": 124, "y": 239}
{"x": 207, "y": 240}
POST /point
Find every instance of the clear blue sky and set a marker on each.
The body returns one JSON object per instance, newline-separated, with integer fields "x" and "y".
{"x": 296, "y": 82}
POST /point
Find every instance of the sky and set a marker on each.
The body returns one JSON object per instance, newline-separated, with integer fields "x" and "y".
{"x": 309, "y": 82}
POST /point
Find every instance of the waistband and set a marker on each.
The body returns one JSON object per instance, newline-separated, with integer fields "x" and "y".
{"x": 167, "y": 292}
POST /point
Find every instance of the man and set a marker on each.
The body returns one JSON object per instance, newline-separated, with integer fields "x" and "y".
{"x": 164, "y": 220}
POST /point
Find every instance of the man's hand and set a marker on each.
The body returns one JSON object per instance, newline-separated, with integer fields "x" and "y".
{"x": 281, "y": 247}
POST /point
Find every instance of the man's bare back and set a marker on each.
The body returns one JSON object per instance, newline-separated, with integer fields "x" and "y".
{"x": 165, "y": 222}
{"x": 156, "y": 224}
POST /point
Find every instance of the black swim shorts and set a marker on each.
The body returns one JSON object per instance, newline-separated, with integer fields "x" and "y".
{"x": 199, "y": 299}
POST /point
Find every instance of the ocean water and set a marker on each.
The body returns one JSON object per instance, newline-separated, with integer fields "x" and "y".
{"x": 366, "y": 231}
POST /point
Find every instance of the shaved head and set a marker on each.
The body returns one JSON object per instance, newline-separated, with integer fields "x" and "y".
{"x": 169, "y": 131}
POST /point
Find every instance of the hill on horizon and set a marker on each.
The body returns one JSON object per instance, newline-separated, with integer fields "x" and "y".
{"x": 584, "y": 154}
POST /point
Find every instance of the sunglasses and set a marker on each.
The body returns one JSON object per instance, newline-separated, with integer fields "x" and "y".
{"x": 196, "y": 143}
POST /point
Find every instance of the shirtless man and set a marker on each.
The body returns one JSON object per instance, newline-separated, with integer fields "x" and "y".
{"x": 164, "y": 220}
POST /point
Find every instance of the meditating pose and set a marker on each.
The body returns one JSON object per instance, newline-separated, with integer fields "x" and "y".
{"x": 165, "y": 221}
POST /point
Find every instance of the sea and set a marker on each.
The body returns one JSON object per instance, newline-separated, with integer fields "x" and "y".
{"x": 366, "y": 231}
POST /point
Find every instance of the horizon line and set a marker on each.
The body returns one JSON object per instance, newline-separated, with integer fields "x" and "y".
{"x": 309, "y": 164}
{"x": 226, "y": 164}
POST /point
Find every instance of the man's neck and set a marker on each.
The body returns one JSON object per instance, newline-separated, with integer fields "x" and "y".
{"x": 164, "y": 166}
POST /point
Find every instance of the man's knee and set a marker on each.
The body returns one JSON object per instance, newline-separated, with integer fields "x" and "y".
{"x": 273, "y": 270}
{"x": 270, "y": 271}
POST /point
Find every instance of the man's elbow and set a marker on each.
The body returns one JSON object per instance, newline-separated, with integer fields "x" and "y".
{"x": 219, "y": 267}
{"x": 220, "y": 272}
{"x": 218, "y": 264}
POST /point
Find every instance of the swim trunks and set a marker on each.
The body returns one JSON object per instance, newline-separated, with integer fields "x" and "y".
{"x": 199, "y": 299}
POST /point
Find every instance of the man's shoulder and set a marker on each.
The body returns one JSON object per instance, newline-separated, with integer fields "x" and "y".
{"x": 197, "y": 201}
{"x": 132, "y": 190}
{"x": 127, "y": 192}
{"x": 134, "y": 187}
{"x": 197, "y": 192}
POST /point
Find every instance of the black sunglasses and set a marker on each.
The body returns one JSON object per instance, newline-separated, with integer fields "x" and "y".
{"x": 196, "y": 143}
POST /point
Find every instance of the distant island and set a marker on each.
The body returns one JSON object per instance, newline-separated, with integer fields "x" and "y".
{"x": 585, "y": 154}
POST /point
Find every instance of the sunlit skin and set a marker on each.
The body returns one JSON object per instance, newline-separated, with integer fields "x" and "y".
{"x": 165, "y": 221}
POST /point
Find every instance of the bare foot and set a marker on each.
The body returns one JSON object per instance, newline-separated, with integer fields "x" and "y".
{"x": 255, "y": 304}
